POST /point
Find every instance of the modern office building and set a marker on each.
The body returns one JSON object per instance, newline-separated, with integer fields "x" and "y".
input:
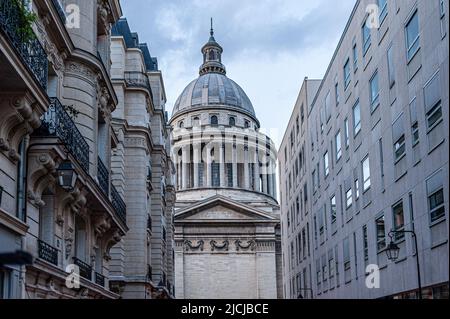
{"x": 227, "y": 216}
{"x": 370, "y": 149}
{"x": 142, "y": 263}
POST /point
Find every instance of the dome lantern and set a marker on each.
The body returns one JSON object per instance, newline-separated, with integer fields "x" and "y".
{"x": 212, "y": 56}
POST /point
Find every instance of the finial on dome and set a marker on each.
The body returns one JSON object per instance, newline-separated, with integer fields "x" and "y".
{"x": 212, "y": 29}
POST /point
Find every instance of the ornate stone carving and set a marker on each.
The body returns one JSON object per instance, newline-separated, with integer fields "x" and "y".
{"x": 53, "y": 54}
{"x": 223, "y": 246}
{"x": 19, "y": 118}
{"x": 251, "y": 245}
{"x": 189, "y": 246}
{"x": 41, "y": 175}
{"x": 68, "y": 241}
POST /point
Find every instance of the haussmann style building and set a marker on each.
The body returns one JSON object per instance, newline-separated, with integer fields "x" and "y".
{"x": 227, "y": 237}
{"x": 364, "y": 161}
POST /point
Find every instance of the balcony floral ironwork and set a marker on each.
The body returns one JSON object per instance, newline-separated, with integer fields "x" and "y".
{"x": 48, "y": 253}
{"x": 99, "y": 279}
{"x": 85, "y": 269}
{"x": 17, "y": 30}
{"x": 56, "y": 122}
{"x": 118, "y": 204}
{"x": 139, "y": 80}
{"x": 103, "y": 177}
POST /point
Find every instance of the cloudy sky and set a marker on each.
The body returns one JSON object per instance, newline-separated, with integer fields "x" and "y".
{"x": 269, "y": 45}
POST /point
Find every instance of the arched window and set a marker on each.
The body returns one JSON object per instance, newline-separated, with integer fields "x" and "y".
{"x": 212, "y": 55}
{"x": 181, "y": 125}
{"x": 214, "y": 120}
{"x": 232, "y": 121}
{"x": 247, "y": 124}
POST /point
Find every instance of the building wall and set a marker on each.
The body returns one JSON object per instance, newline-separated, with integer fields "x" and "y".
{"x": 143, "y": 169}
{"x": 392, "y": 181}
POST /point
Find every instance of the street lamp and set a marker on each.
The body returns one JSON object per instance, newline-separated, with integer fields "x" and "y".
{"x": 393, "y": 250}
{"x": 67, "y": 177}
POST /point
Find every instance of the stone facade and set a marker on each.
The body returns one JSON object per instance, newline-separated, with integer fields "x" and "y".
{"x": 370, "y": 143}
{"x": 226, "y": 222}
{"x": 142, "y": 171}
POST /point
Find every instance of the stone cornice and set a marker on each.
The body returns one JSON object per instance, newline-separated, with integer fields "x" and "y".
{"x": 13, "y": 223}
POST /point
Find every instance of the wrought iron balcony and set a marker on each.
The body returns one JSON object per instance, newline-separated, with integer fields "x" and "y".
{"x": 48, "y": 253}
{"x": 138, "y": 79}
{"x": 59, "y": 7}
{"x": 58, "y": 123}
{"x": 118, "y": 204}
{"x": 103, "y": 177}
{"x": 28, "y": 48}
{"x": 85, "y": 269}
{"x": 99, "y": 279}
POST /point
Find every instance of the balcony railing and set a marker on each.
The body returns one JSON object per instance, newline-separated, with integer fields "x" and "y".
{"x": 58, "y": 123}
{"x": 29, "y": 49}
{"x": 48, "y": 253}
{"x": 59, "y": 7}
{"x": 118, "y": 204}
{"x": 99, "y": 279}
{"x": 85, "y": 269}
{"x": 103, "y": 177}
{"x": 138, "y": 79}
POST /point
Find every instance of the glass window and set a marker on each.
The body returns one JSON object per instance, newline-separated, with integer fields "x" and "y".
{"x": 336, "y": 93}
{"x": 347, "y": 73}
{"x": 399, "y": 148}
{"x": 434, "y": 115}
{"x": 435, "y": 193}
{"x": 333, "y": 209}
{"x": 415, "y": 133}
{"x": 346, "y": 254}
{"x": 356, "y": 189}
{"x": 399, "y": 219}
{"x": 181, "y": 124}
{"x": 337, "y": 140}
{"x": 381, "y": 233}
{"x": 366, "y": 37}
{"x": 246, "y": 124}
{"x": 232, "y": 121}
{"x": 347, "y": 135}
{"x": 214, "y": 120}
{"x": 326, "y": 164}
{"x": 374, "y": 91}
{"x": 356, "y": 118}
{"x": 355, "y": 57}
{"x": 391, "y": 67}
{"x": 383, "y": 9}
{"x": 365, "y": 243}
{"x": 349, "y": 197}
{"x": 366, "y": 174}
{"x": 436, "y": 205}
{"x": 328, "y": 107}
{"x": 412, "y": 36}
{"x": 215, "y": 172}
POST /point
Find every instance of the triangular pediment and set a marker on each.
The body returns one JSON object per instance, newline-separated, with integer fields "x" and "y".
{"x": 220, "y": 208}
